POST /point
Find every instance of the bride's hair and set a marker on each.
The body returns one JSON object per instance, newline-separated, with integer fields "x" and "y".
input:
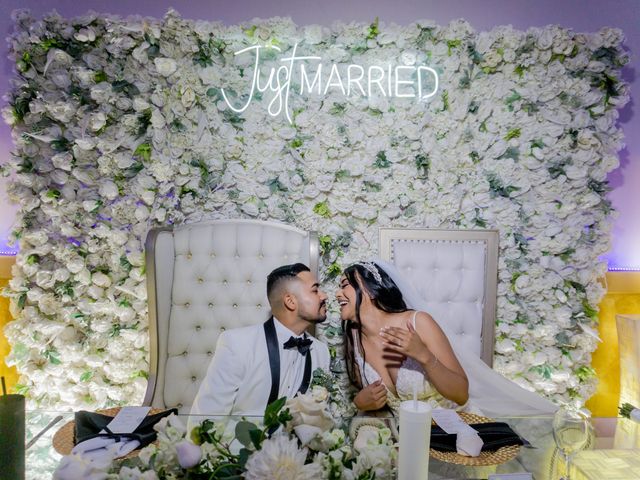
{"x": 385, "y": 295}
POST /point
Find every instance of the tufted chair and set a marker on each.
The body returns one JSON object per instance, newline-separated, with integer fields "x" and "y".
{"x": 456, "y": 273}
{"x": 203, "y": 278}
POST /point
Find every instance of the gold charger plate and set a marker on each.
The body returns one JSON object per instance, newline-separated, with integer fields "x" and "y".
{"x": 496, "y": 457}
{"x": 63, "y": 440}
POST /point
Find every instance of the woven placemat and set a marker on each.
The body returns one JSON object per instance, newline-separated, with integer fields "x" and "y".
{"x": 495, "y": 457}
{"x": 63, "y": 440}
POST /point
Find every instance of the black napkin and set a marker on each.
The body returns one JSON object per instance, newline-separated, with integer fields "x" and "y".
{"x": 90, "y": 424}
{"x": 495, "y": 435}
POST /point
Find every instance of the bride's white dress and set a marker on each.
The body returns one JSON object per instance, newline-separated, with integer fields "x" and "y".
{"x": 490, "y": 393}
{"x": 411, "y": 376}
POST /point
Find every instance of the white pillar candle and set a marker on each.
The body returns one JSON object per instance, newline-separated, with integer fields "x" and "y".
{"x": 415, "y": 431}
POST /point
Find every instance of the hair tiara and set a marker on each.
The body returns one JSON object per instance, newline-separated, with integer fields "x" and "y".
{"x": 372, "y": 269}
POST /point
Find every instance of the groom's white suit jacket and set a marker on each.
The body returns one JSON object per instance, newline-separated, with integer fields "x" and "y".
{"x": 238, "y": 380}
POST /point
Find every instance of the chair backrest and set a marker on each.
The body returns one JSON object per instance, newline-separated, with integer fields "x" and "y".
{"x": 203, "y": 278}
{"x": 456, "y": 273}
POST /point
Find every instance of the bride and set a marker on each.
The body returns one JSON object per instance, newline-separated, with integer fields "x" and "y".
{"x": 394, "y": 348}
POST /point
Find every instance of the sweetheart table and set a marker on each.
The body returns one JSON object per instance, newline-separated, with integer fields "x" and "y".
{"x": 541, "y": 458}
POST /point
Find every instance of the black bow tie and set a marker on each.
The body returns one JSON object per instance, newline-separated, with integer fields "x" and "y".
{"x": 302, "y": 344}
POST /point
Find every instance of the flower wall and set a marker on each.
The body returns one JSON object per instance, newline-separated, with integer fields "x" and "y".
{"x": 121, "y": 125}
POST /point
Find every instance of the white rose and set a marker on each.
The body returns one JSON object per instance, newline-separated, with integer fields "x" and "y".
{"x": 165, "y": 66}
{"x": 97, "y": 121}
{"x": 100, "y": 279}
{"x": 108, "y": 190}
{"x": 313, "y": 34}
{"x": 85, "y": 35}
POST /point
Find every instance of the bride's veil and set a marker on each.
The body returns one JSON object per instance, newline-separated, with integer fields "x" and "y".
{"x": 489, "y": 391}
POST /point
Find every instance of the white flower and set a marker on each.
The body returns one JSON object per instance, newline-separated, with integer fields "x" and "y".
{"x": 74, "y": 467}
{"x": 189, "y": 454}
{"x": 165, "y": 66}
{"x": 97, "y": 121}
{"x": 85, "y": 35}
{"x": 281, "y": 459}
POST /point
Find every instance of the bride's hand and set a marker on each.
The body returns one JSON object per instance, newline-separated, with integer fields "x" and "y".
{"x": 405, "y": 342}
{"x": 371, "y": 397}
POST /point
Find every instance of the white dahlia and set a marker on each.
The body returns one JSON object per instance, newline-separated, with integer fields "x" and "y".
{"x": 281, "y": 459}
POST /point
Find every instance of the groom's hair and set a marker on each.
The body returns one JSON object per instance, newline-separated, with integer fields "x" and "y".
{"x": 280, "y": 277}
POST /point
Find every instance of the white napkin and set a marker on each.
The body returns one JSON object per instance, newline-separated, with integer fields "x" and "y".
{"x": 468, "y": 442}
{"x": 126, "y": 421}
{"x": 98, "y": 448}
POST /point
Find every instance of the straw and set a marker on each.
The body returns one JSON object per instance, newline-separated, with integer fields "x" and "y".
{"x": 4, "y": 387}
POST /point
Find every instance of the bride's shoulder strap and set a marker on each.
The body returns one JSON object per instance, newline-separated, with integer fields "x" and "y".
{"x": 413, "y": 319}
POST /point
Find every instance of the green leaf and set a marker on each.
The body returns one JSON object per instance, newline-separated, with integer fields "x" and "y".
{"x": 22, "y": 299}
{"x": 381, "y": 160}
{"x": 32, "y": 259}
{"x": 334, "y": 271}
{"x": 325, "y": 243}
{"x": 243, "y": 432}
{"x": 100, "y": 77}
{"x": 296, "y": 143}
{"x": 322, "y": 209}
{"x": 451, "y": 44}
{"x": 513, "y": 133}
{"x": 338, "y": 109}
{"x": 272, "y": 411}
{"x": 342, "y": 174}
{"x": 445, "y": 101}
{"x": 22, "y": 389}
{"x": 257, "y": 437}
{"x": 374, "y": 31}
{"x": 422, "y": 163}
{"x": 143, "y": 151}
{"x": 52, "y": 355}
{"x": 243, "y": 456}
{"x": 86, "y": 376}
{"x": 519, "y": 70}
{"x": 584, "y": 373}
{"x": 123, "y": 86}
{"x": 514, "y": 97}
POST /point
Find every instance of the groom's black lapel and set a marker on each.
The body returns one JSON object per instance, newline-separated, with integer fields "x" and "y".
{"x": 274, "y": 358}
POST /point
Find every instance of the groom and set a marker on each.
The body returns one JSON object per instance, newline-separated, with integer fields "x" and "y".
{"x": 253, "y": 366}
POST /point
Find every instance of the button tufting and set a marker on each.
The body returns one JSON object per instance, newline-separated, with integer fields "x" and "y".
{"x": 259, "y": 305}
{"x": 212, "y": 255}
{"x": 224, "y": 282}
{"x": 248, "y": 282}
{"x": 200, "y": 280}
{"x": 260, "y": 255}
{"x": 187, "y": 305}
{"x": 222, "y": 329}
{"x": 193, "y": 378}
{"x": 235, "y": 305}
{"x": 209, "y": 353}
{"x": 198, "y": 328}
{"x": 210, "y": 305}
{"x": 189, "y": 255}
{"x": 179, "y": 405}
{"x": 184, "y": 354}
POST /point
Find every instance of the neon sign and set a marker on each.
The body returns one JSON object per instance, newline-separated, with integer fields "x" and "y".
{"x": 402, "y": 81}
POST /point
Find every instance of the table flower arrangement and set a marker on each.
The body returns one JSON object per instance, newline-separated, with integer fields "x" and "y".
{"x": 298, "y": 439}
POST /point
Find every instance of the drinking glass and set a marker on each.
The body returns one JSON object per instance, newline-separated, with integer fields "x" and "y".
{"x": 570, "y": 432}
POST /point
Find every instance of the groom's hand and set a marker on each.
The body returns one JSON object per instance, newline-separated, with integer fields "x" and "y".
{"x": 371, "y": 397}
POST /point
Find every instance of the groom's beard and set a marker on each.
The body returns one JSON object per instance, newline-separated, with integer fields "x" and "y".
{"x": 319, "y": 317}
